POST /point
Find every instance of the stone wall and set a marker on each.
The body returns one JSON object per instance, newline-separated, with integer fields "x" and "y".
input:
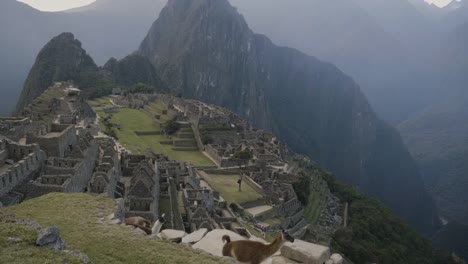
{"x": 26, "y": 166}
{"x": 253, "y": 185}
{"x": 57, "y": 142}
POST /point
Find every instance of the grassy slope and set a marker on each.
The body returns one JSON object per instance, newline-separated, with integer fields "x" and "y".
{"x": 25, "y": 251}
{"x": 76, "y": 216}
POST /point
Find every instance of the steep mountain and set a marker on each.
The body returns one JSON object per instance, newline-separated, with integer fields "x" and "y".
{"x": 22, "y": 38}
{"x": 62, "y": 58}
{"x": 131, "y": 70}
{"x": 205, "y": 50}
{"x": 112, "y": 29}
{"x": 383, "y": 45}
{"x": 438, "y": 135}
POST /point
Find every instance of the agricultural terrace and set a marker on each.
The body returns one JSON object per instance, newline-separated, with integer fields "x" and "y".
{"x": 229, "y": 189}
{"x": 131, "y": 120}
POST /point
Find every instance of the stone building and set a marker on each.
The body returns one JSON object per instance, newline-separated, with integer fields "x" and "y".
{"x": 18, "y": 163}
{"x": 56, "y": 140}
{"x": 142, "y": 194}
{"x": 107, "y": 175}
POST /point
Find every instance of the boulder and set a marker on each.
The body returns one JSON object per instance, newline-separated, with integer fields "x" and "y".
{"x": 50, "y": 237}
{"x": 116, "y": 222}
{"x": 281, "y": 260}
{"x": 305, "y": 252}
{"x": 195, "y": 236}
{"x": 337, "y": 259}
{"x": 329, "y": 261}
{"x": 172, "y": 235}
{"x": 213, "y": 244}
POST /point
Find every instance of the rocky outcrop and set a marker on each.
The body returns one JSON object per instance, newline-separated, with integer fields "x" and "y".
{"x": 172, "y": 235}
{"x": 212, "y": 242}
{"x": 205, "y": 50}
{"x": 305, "y": 252}
{"x": 61, "y": 59}
{"x": 50, "y": 237}
{"x": 194, "y": 237}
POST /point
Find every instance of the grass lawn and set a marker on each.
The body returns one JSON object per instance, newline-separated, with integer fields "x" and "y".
{"x": 229, "y": 189}
{"x": 312, "y": 210}
{"x": 76, "y": 216}
{"x": 132, "y": 120}
{"x": 25, "y": 251}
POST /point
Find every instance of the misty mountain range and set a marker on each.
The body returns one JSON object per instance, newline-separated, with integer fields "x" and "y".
{"x": 411, "y": 66}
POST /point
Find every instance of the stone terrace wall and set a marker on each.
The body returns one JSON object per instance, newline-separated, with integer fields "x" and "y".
{"x": 24, "y": 169}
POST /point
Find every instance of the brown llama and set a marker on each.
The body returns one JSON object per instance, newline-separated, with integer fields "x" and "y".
{"x": 253, "y": 252}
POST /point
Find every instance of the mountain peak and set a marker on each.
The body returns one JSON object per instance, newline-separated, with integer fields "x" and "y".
{"x": 61, "y": 59}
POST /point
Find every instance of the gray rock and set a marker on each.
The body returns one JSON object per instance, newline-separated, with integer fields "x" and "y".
{"x": 195, "y": 236}
{"x": 50, "y": 237}
{"x": 281, "y": 260}
{"x": 337, "y": 259}
{"x": 329, "y": 261}
{"x": 306, "y": 252}
{"x": 116, "y": 222}
{"x": 212, "y": 242}
{"x": 172, "y": 235}
{"x": 82, "y": 256}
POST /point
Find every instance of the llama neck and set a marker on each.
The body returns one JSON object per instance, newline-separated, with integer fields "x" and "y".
{"x": 275, "y": 245}
{"x": 157, "y": 227}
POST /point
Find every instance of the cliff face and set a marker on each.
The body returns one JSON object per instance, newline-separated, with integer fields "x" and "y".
{"x": 61, "y": 59}
{"x": 205, "y": 50}
{"x": 131, "y": 70}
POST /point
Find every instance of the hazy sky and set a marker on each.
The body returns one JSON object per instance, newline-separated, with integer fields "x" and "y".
{"x": 59, "y": 5}
{"x": 55, "y": 5}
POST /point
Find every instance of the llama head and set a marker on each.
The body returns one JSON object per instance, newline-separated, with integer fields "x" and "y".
{"x": 161, "y": 218}
{"x": 287, "y": 237}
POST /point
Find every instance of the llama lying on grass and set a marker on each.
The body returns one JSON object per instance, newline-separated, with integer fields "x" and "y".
{"x": 253, "y": 252}
{"x": 143, "y": 224}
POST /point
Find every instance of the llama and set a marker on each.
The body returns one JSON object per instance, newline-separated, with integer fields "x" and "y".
{"x": 253, "y": 252}
{"x": 139, "y": 222}
{"x": 143, "y": 224}
{"x": 157, "y": 226}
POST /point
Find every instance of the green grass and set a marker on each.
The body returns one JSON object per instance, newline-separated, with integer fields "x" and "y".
{"x": 132, "y": 120}
{"x": 25, "y": 251}
{"x": 76, "y": 216}
{"x": 229, "y": 189}
{"x": 312, "y": 210}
